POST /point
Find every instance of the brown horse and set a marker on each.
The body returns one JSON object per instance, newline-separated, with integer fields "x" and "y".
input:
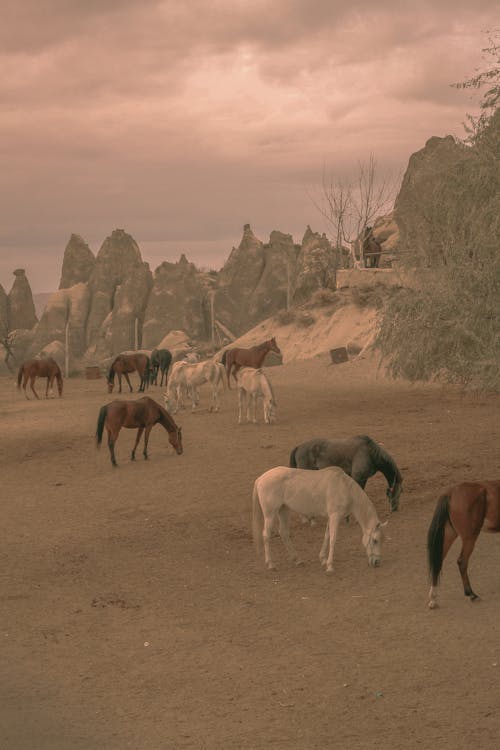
{"x": 371, "y": 250}
{"x": 461, "y": 511}
{"x": 233, "y": 359}
{"x": 125, "y": 363}
{"x": 40, "y": 368}
{"x": 142, "y": 414}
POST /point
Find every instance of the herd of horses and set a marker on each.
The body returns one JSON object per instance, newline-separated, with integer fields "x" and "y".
{"x": 324, "y": 478}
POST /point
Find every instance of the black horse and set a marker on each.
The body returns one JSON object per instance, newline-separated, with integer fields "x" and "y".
{"x": 359, "y": 456}
{"x": 160, "y": 361}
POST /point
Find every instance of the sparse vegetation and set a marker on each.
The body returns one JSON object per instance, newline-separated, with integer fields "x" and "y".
{"x": 448, "y": 327}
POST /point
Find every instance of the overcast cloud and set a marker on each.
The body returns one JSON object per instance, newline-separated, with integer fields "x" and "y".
{"x": 181, "y": 121}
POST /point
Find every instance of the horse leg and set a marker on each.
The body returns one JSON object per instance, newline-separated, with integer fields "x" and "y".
{"x": 112, "y": 436}
{"x": 324, "y": 546}
{"x": 146, "y": 441}
{"x": 241, "y": 404}
{"x": 462, "y": 562}
{"x": 333, "y": 524}
{"x": 284, "y": 528}
{"x": 128, "y": 381}
{"x": 449, "y": 537}
{"x": 32, "y": 385}
{"x": 25, "y": 380}
{"x": 266, "y": 536}
{"x": 137, "y": 439}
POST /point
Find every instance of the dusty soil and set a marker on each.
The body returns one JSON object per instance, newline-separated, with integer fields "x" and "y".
{"x": 136, "y": 615}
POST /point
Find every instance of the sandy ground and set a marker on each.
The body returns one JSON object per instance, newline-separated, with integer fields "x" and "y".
{"x": 135, "y": 613}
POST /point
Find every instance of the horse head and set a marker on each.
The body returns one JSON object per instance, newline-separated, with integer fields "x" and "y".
{"x": 175, "y": 439}
{"x": 372, "y": 542}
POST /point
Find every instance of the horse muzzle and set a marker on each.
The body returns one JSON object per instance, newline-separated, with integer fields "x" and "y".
{"x": 374, "y": 562}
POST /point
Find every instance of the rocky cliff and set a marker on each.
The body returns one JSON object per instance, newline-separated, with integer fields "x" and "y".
{"x": 449, "y": 199}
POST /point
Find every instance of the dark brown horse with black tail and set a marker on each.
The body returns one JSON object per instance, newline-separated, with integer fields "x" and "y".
{"x": 126, "y": 363}
{"x": 359, "y": 456}
{"x": 160, "y": 362}
{"x": 235, "y": 358}
{"x": 142, "y": 414}
{"x": 462, "y": 511}
{"x": 40, "y": 368}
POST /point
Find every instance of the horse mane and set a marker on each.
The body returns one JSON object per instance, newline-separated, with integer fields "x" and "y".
{"x": 166, "y": 420}
{"x": 385, "y": 462}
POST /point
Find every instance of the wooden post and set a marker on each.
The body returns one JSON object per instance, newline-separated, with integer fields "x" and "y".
{"x": 66, "y": 350}
{"x": 212, "y": 318}
{"x": 136, "y": 334}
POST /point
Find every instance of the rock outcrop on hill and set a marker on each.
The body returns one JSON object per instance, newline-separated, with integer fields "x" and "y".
{"x": 20, "y": 307}
{"x": 4, "y": 315}
{"x": 176, "y": 301}
{"x": 315, "y": 266}
{"x": 448, "y": 202}
{"x": 78, "y": 262}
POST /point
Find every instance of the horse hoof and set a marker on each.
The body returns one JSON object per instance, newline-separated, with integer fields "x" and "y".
{"x": 433, "y": 604}
{"x": 271, "y": 566}
{"x": 299, "y": 563}
{"x": 474, "y": 598}
{"x": 329, "y": 571}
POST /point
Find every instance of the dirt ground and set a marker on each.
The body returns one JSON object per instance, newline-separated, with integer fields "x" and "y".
{"x": 135, "y": 613}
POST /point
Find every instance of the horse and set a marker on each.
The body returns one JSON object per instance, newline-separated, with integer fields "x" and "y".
{"x": 142, "y": 414}
{"x": 359, "y": 456}
{"x": 125, "y": 363}
{"x": 329, "y": 492}
{"x": 160, "y": 362}
{"x": 461, "y": 511}
{"x": 371, "y": 249}
{"x": 40, "y": 368}
{"x": 253, "y": 357}
{"x": 187, "y": 377}
{"x": 251, "y": 385}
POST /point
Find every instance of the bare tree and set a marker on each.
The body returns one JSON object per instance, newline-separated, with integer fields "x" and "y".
{"x": 349, "y": 206}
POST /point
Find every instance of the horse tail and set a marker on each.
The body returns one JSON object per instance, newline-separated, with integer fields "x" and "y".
{"x": 435, "y": 538}
{"x": 257, "y": 520}
{"x": 20, "y": 376}
{"x": 229, "y": 367}
{"x": 223, "y": 358}
{"x": 100, "y": 424}
{"x": 293, "y": 460}
{"x": 111, "y": 373}
{"x": 222, "y": 374}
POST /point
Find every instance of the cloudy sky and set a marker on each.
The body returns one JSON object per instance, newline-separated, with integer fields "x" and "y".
{"x": 181, "y": 120}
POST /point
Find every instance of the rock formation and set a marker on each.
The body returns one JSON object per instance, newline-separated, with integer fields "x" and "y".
{"x": 4, "y": 314}
{"x": 78, "y": 262}
{"x": 20, "y": 306}
{"x": 176, "y": 302}
{"x": 315, "y": 266}
{"x": 448, "y": 202}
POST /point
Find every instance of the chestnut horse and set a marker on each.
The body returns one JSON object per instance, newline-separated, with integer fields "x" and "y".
{"x": 142, "y": 414}
{"x": 40, "y": 368}
{"x": 253, "y": 357}
{"x": 125, "y": 363}
{"x": 461, "y": 511}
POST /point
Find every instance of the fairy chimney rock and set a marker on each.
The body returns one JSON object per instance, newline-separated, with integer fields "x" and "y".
{"x": 20, "y": 305}
{"x": 78, "y": 262}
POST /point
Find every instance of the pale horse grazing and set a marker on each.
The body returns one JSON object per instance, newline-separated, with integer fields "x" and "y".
{"x": 327, "y": 492}
{"x": 186, "y": 378}
{"x": 252, "y": 385}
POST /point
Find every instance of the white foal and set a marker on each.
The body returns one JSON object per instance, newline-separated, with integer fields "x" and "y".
{"x": 252, "y": 385}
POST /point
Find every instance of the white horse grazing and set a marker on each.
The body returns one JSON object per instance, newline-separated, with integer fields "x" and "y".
{"x": 328, "y": 492}
{"x": 252, "y": 384}
{"x": 186, "y": 378}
